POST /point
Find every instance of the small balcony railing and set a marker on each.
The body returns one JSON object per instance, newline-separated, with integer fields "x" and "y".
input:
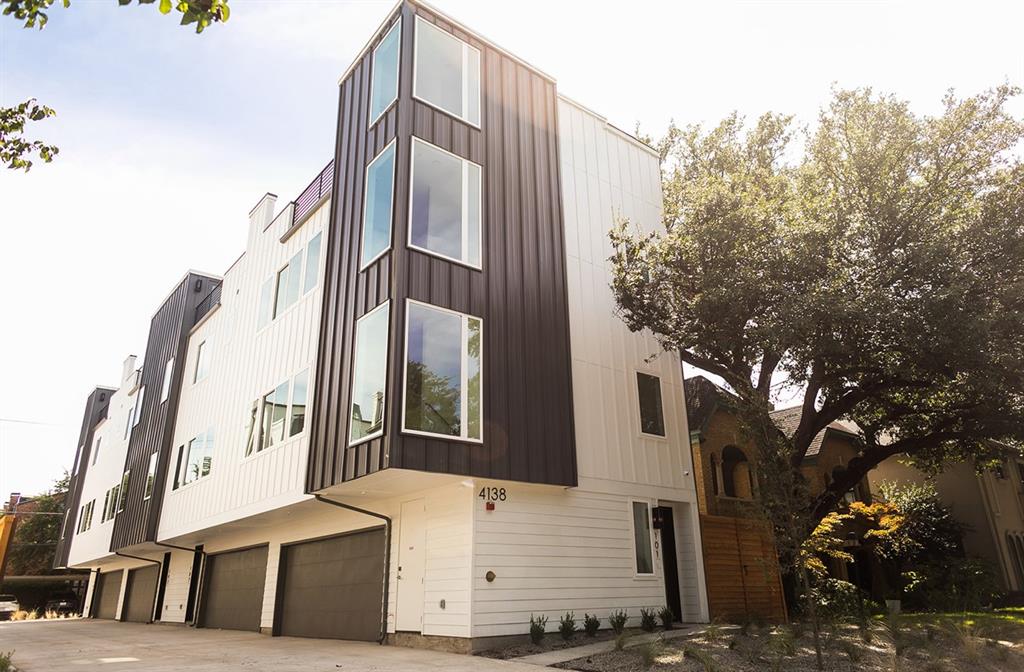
{"x": 208, "y": 302}
{"x": 314, "y": 193}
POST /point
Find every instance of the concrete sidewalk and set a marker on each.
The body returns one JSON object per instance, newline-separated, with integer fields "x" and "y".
{"x": 572, "y": 653}
{"x": 54, "y": 646}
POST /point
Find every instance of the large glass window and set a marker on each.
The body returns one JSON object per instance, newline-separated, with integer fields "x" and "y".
{"x": 275, "y": 412}
{"x": 443, "y": 386}
{"x": 642, "y": 538}
{"x": 444, "y": 209}
{"x": 652, "y": 416}
{"x": 312, "y": 263}
{"x": 384, "y": 87}
{"x": 380, "y": 185}
{"x": 297, "y": 414}
{"x": 447, "y": 72}
{"x": 289, "y": 283}
{"x": 370, "y": 373}
{"x": 199, "y": 459}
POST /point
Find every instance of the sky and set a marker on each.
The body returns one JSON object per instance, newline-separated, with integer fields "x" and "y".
{"x": 169, "y": 135}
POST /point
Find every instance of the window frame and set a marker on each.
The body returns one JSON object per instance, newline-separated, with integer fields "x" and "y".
{"x": 463, "y": 378}
{"x": 122, "y": 494}
{"x": 306, "y": 287}
{"x": 639, "y": 407}
{"x": 465, "y": 211}
{"x": 165, "y": 391}
{"x": 650, "y": 538}
{"x": 150, "y": 483}
{"x": 465, "y": 95}
{"x": 96, "y": 450}
{"x": 398, "y": 72}
{"x": 391, "y": 209}
{"x": 140, "y": 399}
{"x": 352, "y": 383}
{"x": 196, "y": 378}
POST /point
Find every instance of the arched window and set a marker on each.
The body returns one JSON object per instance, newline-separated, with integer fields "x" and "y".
{"x": 714, "y": 475}
{"x": 736, "y": 475}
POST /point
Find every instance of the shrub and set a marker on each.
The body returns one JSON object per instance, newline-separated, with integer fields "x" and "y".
{"x": 701, "y": 656}
{"x": 782, "y": 642}
{"x": 667, "y": 618}
{"x": 538, "y": 624}
{"x": 713, "y": 631}
{"x": 838, "y": 600}
{"x": 966, "y": 638}
{"x": 591, "y": 624}
{"x": 567, "y": 626}
{"x": 620, "y": 641}
{"x": 650, "y": 651}
{"x": 618, "y": 621}
{"x": 852, "y": 651}
{"x": 5, "y": 661}
{"x": 648, "y": 621}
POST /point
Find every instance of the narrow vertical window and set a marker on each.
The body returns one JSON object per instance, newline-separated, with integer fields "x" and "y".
{"x": 275, "y": 411}
{"x": 179, "y": 476}
{"x": 446, "y": 72}
{"x": 384, "y": 86}
{"x": 443, "y": 370}
{"x": 250, "y": 432}
{"x": 202, "y": 362}
{"x": 168, "y": 374}
{"x": 96, "y": 449}
{"x": 123, "y": 496}
{"x": 377, "y": 205}
{"x": 139, "y": 399}
{"x": 642, "y": 538}
{"x": 444, "y": 204}
{"x": 297, "y": 416}
{"x": 294, "y": 288}
{"x": 369, "y": 374}
{"x": 652, "y": 417}
{"x": 150, "y": 477}
{"x": 312, "y": 275}
{"x": 266, "y": 307}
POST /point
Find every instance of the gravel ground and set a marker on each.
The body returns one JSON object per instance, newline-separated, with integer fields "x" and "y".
{"x": 552, "y": 642}
{"x": 945, "y": 649}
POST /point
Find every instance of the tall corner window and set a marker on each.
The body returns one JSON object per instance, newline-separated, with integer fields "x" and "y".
{"x": 297, "y": 412}
{"x": 443, "y": 373}
{"x": 652, "y": 415}
{"x": 312, "y": 275}
{"x": 265, "y": 311}
{"x": 384, "y": 85}
{"x": 446, "y": 72}
{"x": 168, "y": 374}
{"x": 202, "y": 362}
{"x": 139, "y": 399}
{"x": 123, "y": 493}
{"x": 369, "y": 375}
{"x": 150, "y": 477}
{"x": 377, "y": 205}
{"x": 444, "y": 204}
{"x": 642, "y": 546}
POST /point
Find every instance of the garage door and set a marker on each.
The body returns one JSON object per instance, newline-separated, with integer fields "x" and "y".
{"x": 138, "y": 601}
{"x": 233, "y": 589}
{"x": 333, "y": 587}
{"x": 108, "y": 590}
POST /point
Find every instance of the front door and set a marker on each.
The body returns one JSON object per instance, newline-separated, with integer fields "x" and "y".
{"x": 668, "y": 558}
{"x": 411, "y": 542}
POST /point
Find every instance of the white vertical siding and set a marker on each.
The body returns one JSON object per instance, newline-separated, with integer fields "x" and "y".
{"x": 245, "y": 364}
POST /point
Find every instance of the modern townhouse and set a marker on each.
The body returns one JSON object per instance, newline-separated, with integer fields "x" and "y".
{"x": 409, "y": 410}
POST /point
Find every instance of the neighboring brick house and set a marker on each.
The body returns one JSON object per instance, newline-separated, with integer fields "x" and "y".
{"x": 725, "y": 466}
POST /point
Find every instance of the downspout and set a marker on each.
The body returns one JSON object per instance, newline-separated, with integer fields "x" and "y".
{"x": 193, "y": 551}
{"x": 387, "y": 557}
{"x": 155, "y": 588}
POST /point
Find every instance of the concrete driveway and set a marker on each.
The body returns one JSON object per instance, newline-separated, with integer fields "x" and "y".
{"x": 45, "y": 646}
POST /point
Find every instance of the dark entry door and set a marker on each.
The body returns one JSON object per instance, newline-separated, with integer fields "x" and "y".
{"x": 233, "y": 589}
{"x": 333, "y": 587}
{"x": 108, "y": 589}
{"x": 138, "y": 601}
{"x": 668, "y": 558}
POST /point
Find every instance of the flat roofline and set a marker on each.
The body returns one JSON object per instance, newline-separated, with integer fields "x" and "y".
{"x": 458, "y": 24}
{"x": 625, "y": 134}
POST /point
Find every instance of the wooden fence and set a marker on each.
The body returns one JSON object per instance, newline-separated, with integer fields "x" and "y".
{"x": 742, "y": 570}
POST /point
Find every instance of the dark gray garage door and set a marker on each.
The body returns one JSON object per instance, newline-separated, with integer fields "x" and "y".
{"x": 138, "y": 601}
{"x": 332, "y": 587}
{"x": 233, "y": 589}
{"x": 108, "y": 589}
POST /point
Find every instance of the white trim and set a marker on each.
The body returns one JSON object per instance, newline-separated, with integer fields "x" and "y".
{"x": 463, "y": 392}
{"x": 398, "y": 70}
{"x": 352, "y": 383}
{"x": 463, "y": 117}
{"x": 650, "y": 537}
{"x": 465, "y": 212}
{"x": 639, "y": 410}
{"x": 391, "y": 205}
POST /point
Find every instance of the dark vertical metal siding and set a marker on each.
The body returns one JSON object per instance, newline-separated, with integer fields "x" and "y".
{"x": 168, "y": 336}
{"x": 96, "y": 407}
{"x": 520, "y": 293}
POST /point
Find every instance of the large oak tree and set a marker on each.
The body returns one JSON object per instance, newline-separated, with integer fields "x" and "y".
{"x": 879, "y": 270}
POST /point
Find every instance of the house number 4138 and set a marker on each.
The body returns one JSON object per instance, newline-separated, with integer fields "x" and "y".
{"x": 493, "y": 494}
